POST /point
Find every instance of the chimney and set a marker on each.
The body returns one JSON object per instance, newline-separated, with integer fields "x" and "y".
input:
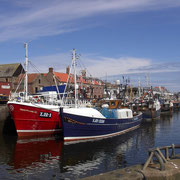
{"x": 83, "y": 72}
{"x": 51, "y": 70}
{"x": 67, "y": 70}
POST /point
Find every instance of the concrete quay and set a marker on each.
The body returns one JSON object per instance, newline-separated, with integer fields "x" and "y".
{"x": 152, "y": 172}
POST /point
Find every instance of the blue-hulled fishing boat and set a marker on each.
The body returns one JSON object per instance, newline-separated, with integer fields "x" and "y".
{"x": 88, "y": 123}
{"x": 84, "y": 123}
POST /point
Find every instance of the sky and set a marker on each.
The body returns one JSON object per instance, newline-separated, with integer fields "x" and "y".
{"x": 113, "y": 38}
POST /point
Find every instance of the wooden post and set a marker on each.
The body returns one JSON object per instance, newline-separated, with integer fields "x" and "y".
{"x": 173, "y": 152}
{"x": 151, "y": 162}
{"x": 148, "y": 161}
{"x": 167, "y": 153}
{"x": 161, "y": 155}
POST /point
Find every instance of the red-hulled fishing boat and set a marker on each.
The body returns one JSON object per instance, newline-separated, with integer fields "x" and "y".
{"x": 33, "y": 118}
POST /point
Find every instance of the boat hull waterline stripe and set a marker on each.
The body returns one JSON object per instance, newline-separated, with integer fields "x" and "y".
{"x": 51, "y": 130}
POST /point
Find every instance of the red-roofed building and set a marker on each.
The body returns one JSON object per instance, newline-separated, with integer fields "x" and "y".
{"x": 36, "y": 81}
{"x": 93, "y": 87}
{"x": 62, "y": 77}
{"x": 88, "y": 87}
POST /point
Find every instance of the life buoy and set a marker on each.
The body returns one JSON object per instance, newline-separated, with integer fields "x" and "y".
{"x": 36, "y": 98}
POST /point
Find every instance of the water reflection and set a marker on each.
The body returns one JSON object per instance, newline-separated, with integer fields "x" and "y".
{"x": 35, "y": 152}
{"x": 87, "y": 158}
{"x": 36, "y": 156}
{"x": 93, "y": 153}
{"x": 96, "y": 157}
{"x": 50, "y": 158}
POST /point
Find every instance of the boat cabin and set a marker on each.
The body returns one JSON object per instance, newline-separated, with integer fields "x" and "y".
{"x": 112, "y": 104}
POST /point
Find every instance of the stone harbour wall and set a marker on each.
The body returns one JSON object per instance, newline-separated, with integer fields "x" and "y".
{"x": 6, "y": 122}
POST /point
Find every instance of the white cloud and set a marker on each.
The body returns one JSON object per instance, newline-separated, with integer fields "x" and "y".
{"x": 34, "y": 19}
{"x": 97, "y": 66}
{"x": 115, "y": 66}
{"x": 160, "y": 67}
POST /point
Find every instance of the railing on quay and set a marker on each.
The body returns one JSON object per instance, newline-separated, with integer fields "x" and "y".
{"x": 160, "y": 157}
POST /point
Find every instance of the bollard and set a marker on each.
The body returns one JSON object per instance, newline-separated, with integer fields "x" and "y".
{"x": 173, "y": 152}
{"x": 167, "y": 153}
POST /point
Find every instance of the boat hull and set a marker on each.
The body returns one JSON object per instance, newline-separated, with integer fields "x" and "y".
{"x": 176, "y": 106}
{"x": 77, "y": 127}
{"x": 32, "y": 120}
{"x": 151, "y": 114}
{"x": 166, "y": 108}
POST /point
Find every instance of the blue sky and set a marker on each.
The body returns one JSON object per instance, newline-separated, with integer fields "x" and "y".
{"x": 129, "y": 37}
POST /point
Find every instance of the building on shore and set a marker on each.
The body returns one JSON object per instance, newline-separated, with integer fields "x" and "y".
{"x": 8, "y": 76}
{"x": 88, "y": 87}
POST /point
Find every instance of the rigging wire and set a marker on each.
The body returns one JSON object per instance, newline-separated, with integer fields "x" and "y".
{"x": 84, "y": 67}
{"x": 34, "y": 67}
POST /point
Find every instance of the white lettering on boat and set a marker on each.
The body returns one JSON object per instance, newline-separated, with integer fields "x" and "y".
{"x": 45, "y": 114}
{"x": 135, "y": 118}
{"x": 27, "y": 110}
{"x": 5, "y": 87}
{"x": 98, "y": 121}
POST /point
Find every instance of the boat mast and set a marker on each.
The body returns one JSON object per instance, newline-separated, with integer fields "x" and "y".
{"x": 139, "y": 87}
{"x": 75, "y": 85}
{"x": 26, "y": 71}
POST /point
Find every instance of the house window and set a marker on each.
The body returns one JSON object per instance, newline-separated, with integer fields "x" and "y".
{"x": 6, "y": 79}
{"x": 39, "y": 81}
{"x": 112, "y": 103}
{"x": 127, "y": 113}
{"x": 36, "y": 89}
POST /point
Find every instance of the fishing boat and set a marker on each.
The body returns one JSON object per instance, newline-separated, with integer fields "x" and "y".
{"x": 151, "y": 109}
{"x": 166, "y": 106}
{"x": 148, "y": 104}
{"x": 35, "y": 119}
{"x": 88, "y": 123}
{"x": 31, "y": 116}
{"x": 83, "y": 123}
{"x": 176, "y": 105}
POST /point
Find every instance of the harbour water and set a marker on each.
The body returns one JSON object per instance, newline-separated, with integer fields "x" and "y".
{"x": 50, "y": 158}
